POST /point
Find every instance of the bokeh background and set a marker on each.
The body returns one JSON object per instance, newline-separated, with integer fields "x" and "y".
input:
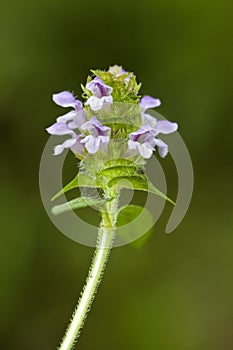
{"x": 175, "y": 291}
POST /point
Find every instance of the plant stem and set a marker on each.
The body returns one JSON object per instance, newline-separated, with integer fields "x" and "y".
{"x": 105, "y": 240}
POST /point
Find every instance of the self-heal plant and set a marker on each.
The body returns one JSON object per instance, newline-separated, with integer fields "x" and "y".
{"x": 112, "y": 136}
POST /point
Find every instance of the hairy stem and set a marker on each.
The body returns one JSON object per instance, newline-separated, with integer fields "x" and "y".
{"x": 105, "y": 240}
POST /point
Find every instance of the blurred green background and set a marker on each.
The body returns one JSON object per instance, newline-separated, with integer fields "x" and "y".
{"x": 176, "y": 291}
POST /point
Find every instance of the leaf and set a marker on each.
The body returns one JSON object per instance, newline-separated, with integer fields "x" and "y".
{"x": 77, "y": 203}
{"x": 80, "y": 180}
{"x": 70, "y": 186}
{"x": 138, "y": 182}
{"x": 129, "y": 213}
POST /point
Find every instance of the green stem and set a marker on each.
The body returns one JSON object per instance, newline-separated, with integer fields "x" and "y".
{"x": 104, "y": 244}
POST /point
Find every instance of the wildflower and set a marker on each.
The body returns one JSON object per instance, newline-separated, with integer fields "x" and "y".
{"x": 101, "y": 94}
{"x": 98, "y": 138}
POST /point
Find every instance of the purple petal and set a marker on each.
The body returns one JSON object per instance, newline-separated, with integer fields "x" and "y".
{"x": 99, "y": 88}
{"x": 149, "y": 102}
{"x": 64, "y": 99}
{"x": 59, "y": 129}
{"x": 142, "y": 132}
{"x": 77, "y": 148}
{"x": 166, "y": 127}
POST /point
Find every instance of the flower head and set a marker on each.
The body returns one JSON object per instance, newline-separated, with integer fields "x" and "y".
{"x": 88, "y": 135}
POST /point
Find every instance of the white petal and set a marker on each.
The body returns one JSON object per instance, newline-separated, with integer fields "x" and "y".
{"x": 95, "y": 103}
{"x": 66, "y": 117}
{"x": 145, "y": 150}
{"x": 92, "y": 145}
{"x": 133, "y": 144}
{"x": 59, "y": 129}
{"x": 60, "y": 148}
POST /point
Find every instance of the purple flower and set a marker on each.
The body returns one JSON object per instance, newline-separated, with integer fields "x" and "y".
{"x": 74, "y": 143}
{"x": 149, "y": 102}
{"x": 101, "y": 94}
{"x": 74, "y": 118}
{"x": 98, "y": 138}
{"x": 144, "y": 140}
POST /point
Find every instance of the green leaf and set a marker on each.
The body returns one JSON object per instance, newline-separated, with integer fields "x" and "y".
{"x": 138, "y": 182}
{"x": 80, "y": 180}
{"x": 156, "y": 191}
{"x": 70, "y": 186}
{"x": 129, "y": 213}
{"x": 77, "y": 203}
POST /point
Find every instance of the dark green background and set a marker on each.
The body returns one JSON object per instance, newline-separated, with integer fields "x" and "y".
{"x": 176, "y": 291}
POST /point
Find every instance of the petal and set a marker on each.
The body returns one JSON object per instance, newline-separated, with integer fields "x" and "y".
{"x": 92, "y": 145}
{"x": 107, "y": 99}
{"x": 74, "y": 119}
{"x": 104, "y": 139}
{"x": 86, "y": 139}
{"x": 162, "y": 148}
{"x": 99, "y": 88}
{"x": 91, "y": 124}
{"x": 60, "y": 129}
{"x": 149, "y": 102}
{"x": 60, "y": 148}
{"x": 95, "y": 103}
{"x": 145, "y": 150}
{"x": 132, "y": 145}
{"x": 77, "y": 148}
{"x": 166, "y": 127}
{"x": 64, "y": 99}
{"x": 142, "y": 132}
{"x": 67, "y": 117}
